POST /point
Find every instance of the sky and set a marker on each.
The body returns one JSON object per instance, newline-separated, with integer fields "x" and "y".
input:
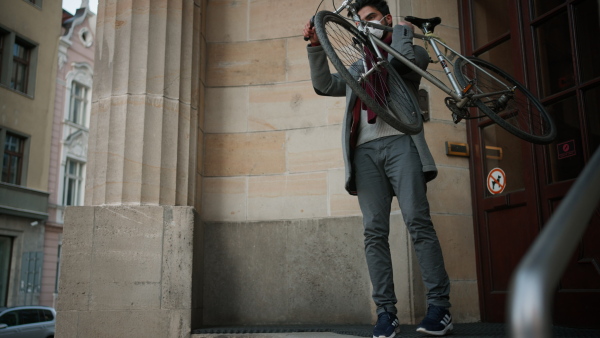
{"x": 72, "y": 5}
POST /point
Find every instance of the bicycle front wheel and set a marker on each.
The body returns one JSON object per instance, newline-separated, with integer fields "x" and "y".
{"x": 374, "y": 81}
{"x": 505, "y": 100}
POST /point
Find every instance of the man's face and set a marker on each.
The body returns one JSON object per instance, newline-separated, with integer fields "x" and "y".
{"x": 369, "y": 13}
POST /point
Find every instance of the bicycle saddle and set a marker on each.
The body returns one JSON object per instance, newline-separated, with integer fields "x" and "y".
{"x": 428, "y": 24}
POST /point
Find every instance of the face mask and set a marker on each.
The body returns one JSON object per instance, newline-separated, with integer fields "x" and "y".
{"x": 376, "y": 31}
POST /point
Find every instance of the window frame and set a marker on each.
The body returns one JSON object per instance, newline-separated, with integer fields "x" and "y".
{"x": 36, "y": 3}
{"x": 2, "y": 44}
{"x": 79, "y": 179}
{"x": 19, "y": 154}
{"x": 24, "y": 161}
{"x": 25, "y": 62}
{"x": 7, "y": 63}
{"x": 81, "y": 118}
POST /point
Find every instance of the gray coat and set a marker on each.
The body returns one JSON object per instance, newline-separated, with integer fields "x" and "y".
{"x": 328, "y": 84}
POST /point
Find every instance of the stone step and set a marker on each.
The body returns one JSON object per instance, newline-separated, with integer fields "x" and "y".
{"x": 274, "y": 335}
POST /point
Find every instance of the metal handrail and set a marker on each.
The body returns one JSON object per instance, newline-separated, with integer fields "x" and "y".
{"x": 535, "y": 280}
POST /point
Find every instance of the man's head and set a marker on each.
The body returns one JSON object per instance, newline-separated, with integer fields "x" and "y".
{"x": 379, "y": 5}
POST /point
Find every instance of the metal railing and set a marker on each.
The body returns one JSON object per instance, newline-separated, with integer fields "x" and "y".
{"x": 535, "y": 280}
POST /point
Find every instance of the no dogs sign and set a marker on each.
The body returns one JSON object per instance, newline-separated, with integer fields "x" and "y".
{"x": 496, "y": 181}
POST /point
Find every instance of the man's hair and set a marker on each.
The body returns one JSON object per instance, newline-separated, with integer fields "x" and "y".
{"x": 380, "y": 5}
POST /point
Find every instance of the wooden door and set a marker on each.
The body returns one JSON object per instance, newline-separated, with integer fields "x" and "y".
{"x": 565, "y": 40}
{"x": 540, "y": 44}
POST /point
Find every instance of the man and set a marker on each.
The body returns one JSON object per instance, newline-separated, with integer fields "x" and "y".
{"x": 382, "y": 163}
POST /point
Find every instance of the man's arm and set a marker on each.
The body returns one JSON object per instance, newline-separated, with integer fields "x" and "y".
{"x": 402, "y": 41}
{"x": 323, "y": 81}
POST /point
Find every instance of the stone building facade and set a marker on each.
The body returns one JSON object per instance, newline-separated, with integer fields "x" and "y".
{"x": 29, "y": 32}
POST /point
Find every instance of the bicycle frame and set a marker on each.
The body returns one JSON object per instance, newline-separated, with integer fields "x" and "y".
{"x": 458, "y": 93}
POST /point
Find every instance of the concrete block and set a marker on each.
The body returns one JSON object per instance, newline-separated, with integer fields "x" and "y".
{"x": 224, "y": 199}
{"x": 446, "y": 9}
{"x": 297, "y": 60}
{"x": 455, "y": 233}
{"x": 119, "y": 295}
{"x": 288, "y": 106}
{"x": 127, "y": 258}
{"x": 245, "y": 264}
{"x": 177, "y": 258}
{"x": 226, "y": 110}
{"x": 336, "y": 288}
{"x": 76, "y": 259}
{"x": 272, "y": 19}
{"x": 340, "y": 202}
{"x": 437, "y": 134}
{"x": 259, "y": 273}
{"x": 228, "y": 21}
{"x": 142, "y": 324}
{"x": 464, "y": 296}
{"x": 453, "y": 182}
{"x": 287, "y": 197}
{"x": 244, "y": 154}
{"x": 138, "y": 281}
{"x": 67, "y": 324}
{"x": 246, "y": 63}
{"x": 314, "y": 149}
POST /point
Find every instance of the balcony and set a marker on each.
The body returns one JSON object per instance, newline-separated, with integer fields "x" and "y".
{"x": 23, "y": 202}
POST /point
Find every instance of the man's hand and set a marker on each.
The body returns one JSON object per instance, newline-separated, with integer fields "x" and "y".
{"x": 408, "y": 24}
{"x": 310, "y": 33}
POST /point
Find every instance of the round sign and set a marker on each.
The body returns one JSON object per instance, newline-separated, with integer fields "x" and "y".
{"x": 496, "y": 181}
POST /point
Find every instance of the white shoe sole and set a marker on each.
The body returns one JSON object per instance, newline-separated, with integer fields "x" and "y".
{"x": 437, "y": 333}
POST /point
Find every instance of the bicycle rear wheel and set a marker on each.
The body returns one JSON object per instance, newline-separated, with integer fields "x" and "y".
{"x": 519, "y": 112}
{"x": 349, "y": 52}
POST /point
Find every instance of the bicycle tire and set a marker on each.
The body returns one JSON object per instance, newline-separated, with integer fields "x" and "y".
{"x": 346, "y": 47}
{"x": 532, "y": 122}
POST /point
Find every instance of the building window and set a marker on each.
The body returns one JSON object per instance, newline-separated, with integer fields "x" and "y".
{"x": 5, "y": 256}
{"x": 57, "y": 278}
{"x": 35, "y": 2}
{"x": 12, "y": 164}
{"x": 2, "y": 38}
{"x": 20, "y": 71}
{"x": 18, "y": 58}
{"x": 73, "y": 185}
{"x": 79, "y": 103}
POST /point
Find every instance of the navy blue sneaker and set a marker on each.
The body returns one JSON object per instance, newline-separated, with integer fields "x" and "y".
{"x": 437, "y": 322}
{"x": 387, "y": 325}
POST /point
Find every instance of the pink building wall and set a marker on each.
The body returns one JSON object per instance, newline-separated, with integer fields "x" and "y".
{"x": 75, "y": 63}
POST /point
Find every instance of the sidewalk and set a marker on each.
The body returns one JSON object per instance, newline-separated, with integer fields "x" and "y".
{"x": 276, "y": 335}
{"x": 470, "y": 330}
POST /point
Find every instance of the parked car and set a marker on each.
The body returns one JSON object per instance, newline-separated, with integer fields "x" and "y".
{"x": 27, "y": 322}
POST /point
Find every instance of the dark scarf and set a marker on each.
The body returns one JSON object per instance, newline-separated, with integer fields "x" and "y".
{"x": 377, "y": 86}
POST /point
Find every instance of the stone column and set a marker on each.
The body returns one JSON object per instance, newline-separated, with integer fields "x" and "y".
{"x": 128, "y": 254}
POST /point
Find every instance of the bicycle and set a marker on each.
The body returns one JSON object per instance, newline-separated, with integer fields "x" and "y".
{"x": 357, "y": 56}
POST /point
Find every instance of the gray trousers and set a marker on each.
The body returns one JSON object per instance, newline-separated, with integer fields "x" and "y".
{"x": 384, "y": 167}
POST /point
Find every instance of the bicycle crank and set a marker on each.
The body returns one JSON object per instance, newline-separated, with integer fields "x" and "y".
{"x": 457, "y": 113}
